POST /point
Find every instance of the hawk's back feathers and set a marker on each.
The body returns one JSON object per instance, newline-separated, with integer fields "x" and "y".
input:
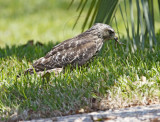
{"x": 75, "y": 51}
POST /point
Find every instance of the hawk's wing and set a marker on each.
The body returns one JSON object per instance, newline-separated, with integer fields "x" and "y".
{"x": 73, "y": 51}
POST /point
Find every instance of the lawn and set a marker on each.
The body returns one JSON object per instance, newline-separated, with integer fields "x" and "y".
{"x": 42, "y": 21}
{"x": 115, "y": 78}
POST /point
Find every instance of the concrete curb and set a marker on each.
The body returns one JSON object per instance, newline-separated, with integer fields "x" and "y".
{"x": 132, "y": 114}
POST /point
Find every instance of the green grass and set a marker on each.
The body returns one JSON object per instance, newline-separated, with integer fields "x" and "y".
{"x": 22, "y": 20}
{"x": 114, "y": 79}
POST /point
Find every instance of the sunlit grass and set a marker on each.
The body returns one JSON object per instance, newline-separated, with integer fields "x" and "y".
{"x": 39, "y": 20}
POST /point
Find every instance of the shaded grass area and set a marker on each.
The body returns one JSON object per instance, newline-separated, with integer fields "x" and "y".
{"x": 29, "y": 51}
{"x": 114, "y": 79}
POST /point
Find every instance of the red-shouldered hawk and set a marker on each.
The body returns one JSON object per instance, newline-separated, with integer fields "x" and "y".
{"x": 75, "y": 51}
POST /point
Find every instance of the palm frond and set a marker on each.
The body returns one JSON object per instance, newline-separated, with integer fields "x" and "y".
{"x": 103, "y": 11}
{"x": 93, "y": 3}
{"x": 159, "y": 5}
{"x": 82, "y": 8}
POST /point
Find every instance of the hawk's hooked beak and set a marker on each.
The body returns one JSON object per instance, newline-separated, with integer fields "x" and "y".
{"x": 116, "y": 39}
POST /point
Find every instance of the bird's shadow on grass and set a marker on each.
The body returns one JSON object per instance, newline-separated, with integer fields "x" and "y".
{"x": 29, "y": 51}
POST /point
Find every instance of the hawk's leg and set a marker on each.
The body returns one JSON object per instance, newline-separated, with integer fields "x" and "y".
{"x": 48, "y": 72}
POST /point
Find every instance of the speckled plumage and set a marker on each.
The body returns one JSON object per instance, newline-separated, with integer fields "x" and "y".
{"x": 75, "y": 51}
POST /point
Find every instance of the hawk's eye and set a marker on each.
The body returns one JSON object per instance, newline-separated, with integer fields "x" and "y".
{"x": 110, "y": 32}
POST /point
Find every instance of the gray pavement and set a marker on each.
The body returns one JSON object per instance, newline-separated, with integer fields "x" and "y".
{"x": 149, "y": 113}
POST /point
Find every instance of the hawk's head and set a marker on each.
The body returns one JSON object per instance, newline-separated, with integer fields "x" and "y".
{"x": 104, "y": 31}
